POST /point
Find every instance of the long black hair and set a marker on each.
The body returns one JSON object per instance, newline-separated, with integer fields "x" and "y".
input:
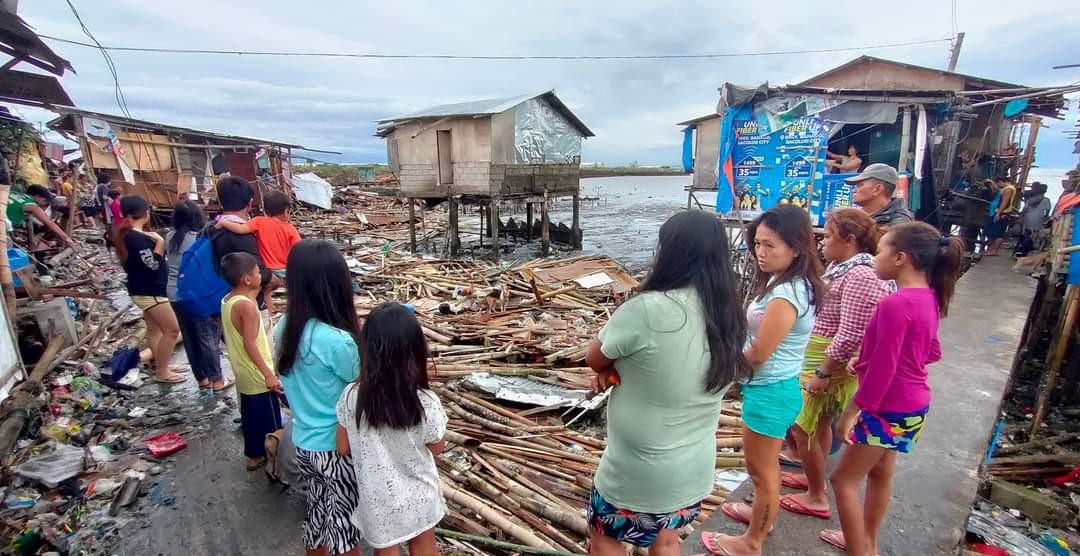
{"x": 319, "y": 287}
{"x": 393, "y": 368}
{"x": 793, "y": 226}
{"x": 693, "y": 251}
{"x": 186, "y": 217}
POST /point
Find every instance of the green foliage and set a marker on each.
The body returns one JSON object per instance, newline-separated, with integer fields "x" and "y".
{"x": 338, "y": 174}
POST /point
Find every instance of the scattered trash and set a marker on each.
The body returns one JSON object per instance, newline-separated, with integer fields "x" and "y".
{"x": 53, "y": 468}
{"x": 21, "y": 498}
{"x": 731, "y": 479}
{"x": 1015, "y": 543}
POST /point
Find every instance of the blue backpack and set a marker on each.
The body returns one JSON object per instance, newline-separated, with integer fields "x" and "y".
{"x": 199, "y": 287}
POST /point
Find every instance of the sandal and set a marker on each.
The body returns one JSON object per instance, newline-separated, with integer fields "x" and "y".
{"x": 794, "y": 480}
{"x": 834, "y": 538}
{"x": 204, "y": 385}
{"x": 226, "y": 384}
{"x": 174, "y": 379}
{"x": 740, "y": 512}
{"x": 796, "y": 506}
{"x": 712, "y": 545}
{"x": 253, "y": 466}
{"x": 789, "y": 461}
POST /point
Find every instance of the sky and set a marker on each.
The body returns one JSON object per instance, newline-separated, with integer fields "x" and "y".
{"x": 631, "y": 105}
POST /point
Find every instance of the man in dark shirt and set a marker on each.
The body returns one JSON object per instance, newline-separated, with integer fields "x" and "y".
{"x": 235, "y": 195}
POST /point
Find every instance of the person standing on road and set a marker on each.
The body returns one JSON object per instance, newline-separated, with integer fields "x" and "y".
{"x": 781, "y": 317}
{"x": 874, "y": 190}
{"x": 201, "y": 335}
{"x": 674, "y": 349}
{"x": 850, "y": 243}
{"x": 318, "y": 357}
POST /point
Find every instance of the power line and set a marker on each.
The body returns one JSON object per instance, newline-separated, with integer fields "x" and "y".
{"x": 487, "y": 58}
{"x": 119, "y": 93}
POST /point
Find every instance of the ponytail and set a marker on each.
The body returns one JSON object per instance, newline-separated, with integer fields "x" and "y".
{"x": 946, "y": 271}
{"x": 938, "y": 256}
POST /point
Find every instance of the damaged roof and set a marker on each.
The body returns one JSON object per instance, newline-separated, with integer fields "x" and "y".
{"x": 66, "y": 123}
{"x": 486, "y": 107}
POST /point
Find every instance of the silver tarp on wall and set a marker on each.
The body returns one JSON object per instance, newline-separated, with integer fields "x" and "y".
{"x": 541, "y": 134}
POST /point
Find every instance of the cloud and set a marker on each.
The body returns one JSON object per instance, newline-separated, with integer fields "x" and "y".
{"x": 632, "y": 105}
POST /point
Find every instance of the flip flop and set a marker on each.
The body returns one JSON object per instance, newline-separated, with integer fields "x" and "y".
{"x": 709, "y": 541}
{"x": 205, "y": 386}
{"x": 796, "y": 506}
{"x": 176, "y": 379}
{"x": 228, "y": 384}
{"x": 740, "y": 512}
{"x": 834, "y": 538}
{"x": 786, "y": 460}
{"x": 270, "y": 443}
{"x": 256, "y": 465}
{"x": 794, "y": 480}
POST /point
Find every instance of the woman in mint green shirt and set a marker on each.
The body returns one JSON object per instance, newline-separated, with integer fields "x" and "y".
{"x": 675, "y": 348}
{"x": 318, "y": 357}
{"x": 780, "y": 316}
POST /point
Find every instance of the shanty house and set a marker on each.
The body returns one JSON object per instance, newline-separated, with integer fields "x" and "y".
{"x": 163, "y": 162}
{"x": 485, "y": 151}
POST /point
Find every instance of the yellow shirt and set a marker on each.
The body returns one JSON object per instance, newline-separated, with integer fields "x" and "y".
{"x": 249, "y": 380}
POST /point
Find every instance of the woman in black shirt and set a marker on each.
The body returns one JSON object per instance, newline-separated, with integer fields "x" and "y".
{"x": 142, "y": 253}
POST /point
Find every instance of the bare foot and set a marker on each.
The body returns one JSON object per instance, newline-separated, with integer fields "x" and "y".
{"x": 728, "y": 545}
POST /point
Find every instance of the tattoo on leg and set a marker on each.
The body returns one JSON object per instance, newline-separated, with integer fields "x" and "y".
{"x": 765, "y": 517}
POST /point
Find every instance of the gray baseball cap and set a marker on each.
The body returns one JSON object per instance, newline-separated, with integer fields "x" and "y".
{"x": 877, "y": 171}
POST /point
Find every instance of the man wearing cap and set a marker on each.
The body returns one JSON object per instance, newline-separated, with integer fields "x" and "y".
{"x": 874, "y": 189}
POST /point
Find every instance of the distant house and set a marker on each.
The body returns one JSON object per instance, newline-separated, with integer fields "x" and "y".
{"x": 486, "y": 151}
{"x": 163, "y": 162}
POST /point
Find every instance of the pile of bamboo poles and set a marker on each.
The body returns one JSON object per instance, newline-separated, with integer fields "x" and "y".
{"x": 517, "y": 484}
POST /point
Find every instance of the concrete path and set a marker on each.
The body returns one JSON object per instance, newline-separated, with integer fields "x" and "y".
{"x": 935, "y": 485}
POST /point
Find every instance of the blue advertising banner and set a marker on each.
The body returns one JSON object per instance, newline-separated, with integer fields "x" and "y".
{"x": 832, "y": 193}
{"x": 782, "y": 167}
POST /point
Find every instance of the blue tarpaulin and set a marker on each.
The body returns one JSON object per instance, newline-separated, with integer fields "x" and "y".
{"x": 688, "y": 149}
{"x": 725, "y": 186}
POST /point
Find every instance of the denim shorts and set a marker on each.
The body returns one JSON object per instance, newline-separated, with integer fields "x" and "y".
{"x": 771, "y": 409}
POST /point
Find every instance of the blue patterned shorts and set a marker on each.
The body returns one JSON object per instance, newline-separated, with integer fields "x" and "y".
{"x": 892, "y": 431}
{"x": 636, "y": 528}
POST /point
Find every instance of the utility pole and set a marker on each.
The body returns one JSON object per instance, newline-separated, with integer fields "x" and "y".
{"x": 954, "y": 55}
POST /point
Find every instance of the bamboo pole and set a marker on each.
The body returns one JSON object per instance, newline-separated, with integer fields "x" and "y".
{"x": 494, "y": 518}
{"x": 505, "y": 546}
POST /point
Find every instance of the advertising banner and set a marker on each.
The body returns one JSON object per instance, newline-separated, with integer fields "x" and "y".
{"x": 781, "y": 167}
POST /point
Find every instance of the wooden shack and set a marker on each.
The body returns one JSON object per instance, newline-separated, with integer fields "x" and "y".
{"x": 163, "y": 163}
{"x": 525, "y": 148}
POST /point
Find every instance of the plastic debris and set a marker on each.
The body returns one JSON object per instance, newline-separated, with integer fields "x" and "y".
{"x": 164, "y": 444}
{"x": 55, "y": 467}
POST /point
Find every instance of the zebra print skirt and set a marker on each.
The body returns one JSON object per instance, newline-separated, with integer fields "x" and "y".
{"x": 331, "y": 499}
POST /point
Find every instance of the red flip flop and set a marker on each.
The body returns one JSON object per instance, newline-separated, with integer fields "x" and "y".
{"x": 796, "y": 506}
{"x": 794, "y": 480}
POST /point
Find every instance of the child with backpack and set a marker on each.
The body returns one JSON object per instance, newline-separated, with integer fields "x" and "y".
{"x": 393, "y": 425}
{"x": 275, "y": 234}
{"x": 249, "y": 354}
{"x": 890, "y": 406}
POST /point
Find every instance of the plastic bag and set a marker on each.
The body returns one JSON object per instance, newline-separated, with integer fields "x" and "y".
{"x": 164, "y": 444}
{"x": 55, "y": 467}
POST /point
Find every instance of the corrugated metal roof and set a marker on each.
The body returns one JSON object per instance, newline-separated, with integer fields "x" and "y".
{"x": 484, "y": 107}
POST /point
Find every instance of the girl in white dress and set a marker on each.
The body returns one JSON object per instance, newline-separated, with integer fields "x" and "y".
{"x": 393, "y": 425}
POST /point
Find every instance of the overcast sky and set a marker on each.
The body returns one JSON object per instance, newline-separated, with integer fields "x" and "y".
{"x": 632, "y": 106}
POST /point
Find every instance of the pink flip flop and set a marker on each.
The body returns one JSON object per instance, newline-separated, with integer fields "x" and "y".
{"x": 834, "y": 538}
{"x": 709, "y": 541}
{"x": 740, "y": 512}
{"x": 796, "y": 506}
{"x": 794, "y": 480}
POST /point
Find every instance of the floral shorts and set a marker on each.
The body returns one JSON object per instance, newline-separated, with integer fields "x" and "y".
{"x": 636, "y": 528}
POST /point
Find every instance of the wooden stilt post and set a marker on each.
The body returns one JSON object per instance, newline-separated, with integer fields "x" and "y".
{"x": 528, "y": 221}
{"x": 412, "y": 225}
{"x": 1064, "y": 334}
{"x": 455, "y": 240}
{"x": 483, "y": 210}
{"x": 493, "y": 226}
{"x": 575, "y": 226}
{"x": 545, "y": 227}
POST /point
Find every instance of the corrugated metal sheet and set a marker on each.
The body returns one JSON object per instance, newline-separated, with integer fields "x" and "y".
{"x": 484, "y": 107}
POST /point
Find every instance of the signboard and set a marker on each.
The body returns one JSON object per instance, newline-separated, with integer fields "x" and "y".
{"x": 832, "y": 193}
{"x": 779, "y": 167}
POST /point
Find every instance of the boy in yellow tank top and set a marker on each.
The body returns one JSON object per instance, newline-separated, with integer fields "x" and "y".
{"x": 257, "y": 384}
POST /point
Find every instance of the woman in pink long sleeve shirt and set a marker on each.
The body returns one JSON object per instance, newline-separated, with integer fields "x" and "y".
{"x": 893, "y": 398}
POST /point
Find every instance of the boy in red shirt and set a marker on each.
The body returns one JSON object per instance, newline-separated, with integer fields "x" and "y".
{"x": 275, "y": 234}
